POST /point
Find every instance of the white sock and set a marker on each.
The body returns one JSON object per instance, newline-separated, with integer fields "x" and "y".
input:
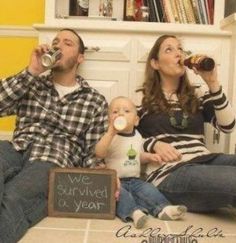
{"x": 139, "y": 219}
{"x": 172, "y": 212}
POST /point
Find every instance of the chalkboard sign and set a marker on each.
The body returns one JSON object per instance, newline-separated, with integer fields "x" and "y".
{"x": 83, "y": 193}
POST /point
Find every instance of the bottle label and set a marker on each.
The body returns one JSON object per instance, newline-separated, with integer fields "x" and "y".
{"x": 129, "y": 8}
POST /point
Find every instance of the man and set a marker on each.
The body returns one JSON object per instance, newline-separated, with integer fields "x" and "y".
{"x": 59, "y": 119}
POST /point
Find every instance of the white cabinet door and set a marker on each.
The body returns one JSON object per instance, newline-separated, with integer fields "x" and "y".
{"x": 110, "y": 83}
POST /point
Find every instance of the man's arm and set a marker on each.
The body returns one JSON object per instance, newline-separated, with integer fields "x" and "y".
{"x": 97, "y": 127}
{"x": 12, "y": 89}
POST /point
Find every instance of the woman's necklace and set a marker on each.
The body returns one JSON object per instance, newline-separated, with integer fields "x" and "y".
{"x": 183, "y": 124}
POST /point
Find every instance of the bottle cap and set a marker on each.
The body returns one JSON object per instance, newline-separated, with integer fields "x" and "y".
{"x": 120, "y": 123}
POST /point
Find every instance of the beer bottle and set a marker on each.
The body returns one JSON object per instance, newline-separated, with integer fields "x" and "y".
{"x": 200, "y": 62}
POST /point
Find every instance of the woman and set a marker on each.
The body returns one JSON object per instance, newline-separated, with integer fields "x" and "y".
{"x": 172, "y": 122}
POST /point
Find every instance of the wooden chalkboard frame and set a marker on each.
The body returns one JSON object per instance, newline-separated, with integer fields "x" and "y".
{"x": 109, "y": 174}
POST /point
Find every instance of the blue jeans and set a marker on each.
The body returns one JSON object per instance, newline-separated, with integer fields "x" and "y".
{"x": 203, "y": 187}
{"x": 23, "y": 192}
{"x": 138, "y": 194}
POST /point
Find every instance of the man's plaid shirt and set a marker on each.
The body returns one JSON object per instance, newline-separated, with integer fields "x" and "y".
{"x": 59, "y": 130}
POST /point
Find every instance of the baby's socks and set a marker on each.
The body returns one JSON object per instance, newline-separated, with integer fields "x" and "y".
{"x": 139, "y": 219}
{"x": 172, "y": 212}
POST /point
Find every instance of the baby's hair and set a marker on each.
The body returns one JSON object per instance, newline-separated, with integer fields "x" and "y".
{"x": 125, "y": 98}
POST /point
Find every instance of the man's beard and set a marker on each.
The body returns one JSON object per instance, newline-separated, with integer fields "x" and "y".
{"x": 69, "y": 65}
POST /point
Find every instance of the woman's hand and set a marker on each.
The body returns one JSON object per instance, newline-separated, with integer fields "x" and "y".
{"x": 210, "y": 78}
{"x": 154, "y": 158}
{"x": 167, "y": 152}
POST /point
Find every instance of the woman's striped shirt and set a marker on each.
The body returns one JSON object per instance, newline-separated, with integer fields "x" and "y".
{"x": 190, "y": 141}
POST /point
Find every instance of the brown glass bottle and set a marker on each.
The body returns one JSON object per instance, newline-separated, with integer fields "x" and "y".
{"x": 129, "y": 10}
{"x": 200, "y": 62}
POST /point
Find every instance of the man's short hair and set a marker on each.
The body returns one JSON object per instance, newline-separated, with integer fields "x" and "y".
{"x": 81, "y": 43}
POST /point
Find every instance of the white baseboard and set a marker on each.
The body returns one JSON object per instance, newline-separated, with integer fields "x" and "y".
{"x": 5, "y": 135}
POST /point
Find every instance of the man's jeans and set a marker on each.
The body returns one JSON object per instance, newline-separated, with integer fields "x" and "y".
{"x": 23, "y": 192}
{"x": 137, "y": 194}
{"x": 203, "y": 187}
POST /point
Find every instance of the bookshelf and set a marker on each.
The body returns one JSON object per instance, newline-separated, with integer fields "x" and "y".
{"x": 55, "y": 10}
{"x": 116, "y": 57}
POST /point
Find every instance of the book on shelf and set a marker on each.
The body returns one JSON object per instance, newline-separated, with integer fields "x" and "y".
{"x": 160, "y": 10}
{"x": 195, "y": 8}
{"x": 156, "y": 10}
{"x": 211, "y": 10}
{"x": 202, "y": 11}
{"x": 182, "y": 12}
{"x": 168, "y": 11}
{"x": 175, "y": 11}
{"x": 152, "y": 13}
{"x": 189, "y": 12}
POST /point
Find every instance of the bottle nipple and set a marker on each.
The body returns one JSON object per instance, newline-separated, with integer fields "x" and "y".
{"x": 120, "y": 123}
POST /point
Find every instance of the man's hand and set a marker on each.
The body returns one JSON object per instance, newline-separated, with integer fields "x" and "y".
{"x": 35, "y": 66}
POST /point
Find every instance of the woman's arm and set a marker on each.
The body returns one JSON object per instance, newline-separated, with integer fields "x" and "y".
{"x": 216, "y": 107}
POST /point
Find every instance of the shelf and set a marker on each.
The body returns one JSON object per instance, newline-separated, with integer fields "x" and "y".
{"x": 228, "y": 22}
{"x": 131, "y": 27}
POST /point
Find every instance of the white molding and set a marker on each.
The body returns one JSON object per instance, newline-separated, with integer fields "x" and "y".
{"x": 131, "y": 27}
{"x": 5, "y": 135}
{"x": 229, "y": 22}
{"x": 17, "y": 31}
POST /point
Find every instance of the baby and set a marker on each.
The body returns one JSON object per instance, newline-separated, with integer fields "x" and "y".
{"x": 122, "y": 151}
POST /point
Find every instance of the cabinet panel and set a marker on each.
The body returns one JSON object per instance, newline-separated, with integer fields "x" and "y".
{"x": 110, "y": 83}
{"x": 108, "y": 50}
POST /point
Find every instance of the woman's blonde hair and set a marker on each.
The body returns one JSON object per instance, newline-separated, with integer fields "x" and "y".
{"x": 153, "y": 98}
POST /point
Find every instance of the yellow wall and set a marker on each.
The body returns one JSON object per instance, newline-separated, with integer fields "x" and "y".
{"x": 21, "y": 12}
{"x": 15, "y": 51}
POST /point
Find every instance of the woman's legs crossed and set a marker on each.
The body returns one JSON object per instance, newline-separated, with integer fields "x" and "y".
{"x": 202, "y": 187}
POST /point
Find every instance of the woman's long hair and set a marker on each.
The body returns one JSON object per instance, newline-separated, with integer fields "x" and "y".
{"x": 153, "y": 98}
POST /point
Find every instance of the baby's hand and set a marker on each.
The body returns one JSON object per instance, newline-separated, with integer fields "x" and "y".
{"x": 117, "y": 192}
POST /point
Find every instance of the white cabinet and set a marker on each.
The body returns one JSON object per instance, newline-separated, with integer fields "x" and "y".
{"x": 229, "y": 23}
{"x": 117, "y": 68}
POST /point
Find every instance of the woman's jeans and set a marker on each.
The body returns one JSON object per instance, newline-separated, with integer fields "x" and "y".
{"x": 138, "y": 194}
{"x": 23, "y": 192}
{"x": 203, "y": 187}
